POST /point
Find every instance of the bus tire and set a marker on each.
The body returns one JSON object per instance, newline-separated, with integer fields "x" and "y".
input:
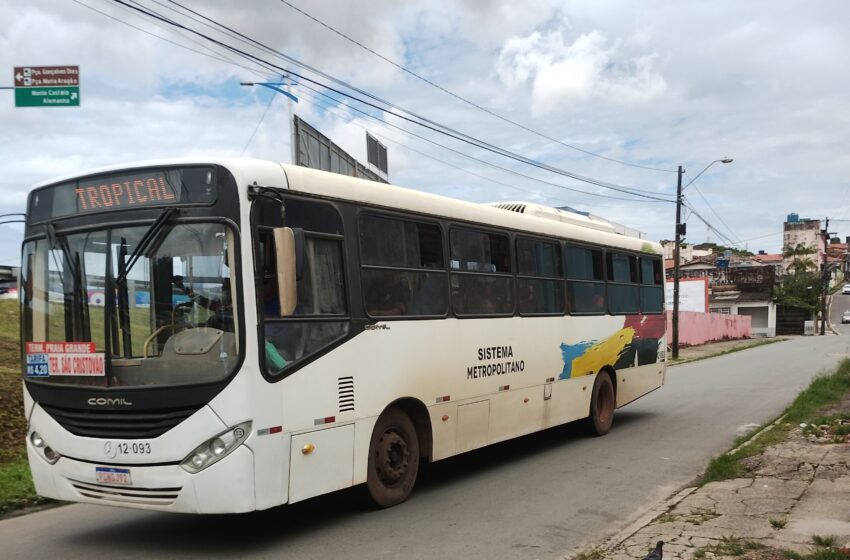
{"x": 393, "y": 459}
{"x": 602, "y": 404}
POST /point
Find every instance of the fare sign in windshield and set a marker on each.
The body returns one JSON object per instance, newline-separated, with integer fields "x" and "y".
{"x": 47, "y": 86}
{"x": 46, "y": 359}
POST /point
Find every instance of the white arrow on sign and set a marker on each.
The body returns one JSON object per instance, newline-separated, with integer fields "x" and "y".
{"x": 19, "y": 77}
{"x": 73, "y": 95}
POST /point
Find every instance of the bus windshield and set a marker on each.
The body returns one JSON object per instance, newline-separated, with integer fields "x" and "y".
{"x": 130, "y": 306}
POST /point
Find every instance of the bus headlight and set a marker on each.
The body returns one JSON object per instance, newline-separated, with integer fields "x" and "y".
{"x": 45, "y": 450}
{"x": 36, "y": 440}
{"x": 215, "y": 449}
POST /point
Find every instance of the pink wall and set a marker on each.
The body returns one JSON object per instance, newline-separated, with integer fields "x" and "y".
{"x": 699, "y": 328}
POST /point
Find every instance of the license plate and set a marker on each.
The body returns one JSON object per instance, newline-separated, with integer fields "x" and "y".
{"x": 112, "y": 475}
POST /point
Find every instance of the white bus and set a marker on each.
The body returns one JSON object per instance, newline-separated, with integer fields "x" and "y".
{"x": 268, "y": 333}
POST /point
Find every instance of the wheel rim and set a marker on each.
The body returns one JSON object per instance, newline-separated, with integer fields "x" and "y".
{"x": 392, "y": 458}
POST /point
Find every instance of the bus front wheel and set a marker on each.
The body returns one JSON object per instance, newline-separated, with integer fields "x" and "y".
{"x": 393, "y": 459}
{"x": 602, "y": 404}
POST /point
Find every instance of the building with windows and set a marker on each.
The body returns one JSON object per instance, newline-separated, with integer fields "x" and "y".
{"x": 804, "y": 232}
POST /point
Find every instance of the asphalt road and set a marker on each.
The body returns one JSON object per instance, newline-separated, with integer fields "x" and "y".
{"x": 839, "y": 304}
{"x": 536, "y": 497}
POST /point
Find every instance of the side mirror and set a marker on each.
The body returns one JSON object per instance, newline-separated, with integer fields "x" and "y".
{"x": 286, "y": 257}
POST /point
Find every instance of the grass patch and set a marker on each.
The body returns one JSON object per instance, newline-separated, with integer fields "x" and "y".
{"x": 823, "y": 391}
{"x": 729, "y": 546}
{"x": 595, "y": 554}
{"x": 699, "y": 516}
{"x": 16, "y": 488}
{"x": 823, "y": 541}
{"x": 778, "y": 523}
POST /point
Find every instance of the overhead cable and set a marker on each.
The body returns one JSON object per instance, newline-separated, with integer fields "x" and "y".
{"x": 465, "y": 100}
{"x": 413, "y": 118}
{"x": 382, "y": 122}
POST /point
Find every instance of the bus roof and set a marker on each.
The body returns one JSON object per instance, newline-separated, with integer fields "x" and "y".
{"x": 250, "y": 171}
{"x": 332, "y": 185}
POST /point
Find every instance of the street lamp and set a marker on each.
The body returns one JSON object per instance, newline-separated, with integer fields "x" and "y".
{"x": 278, "y": 87}
{"x": 680, "y": 231}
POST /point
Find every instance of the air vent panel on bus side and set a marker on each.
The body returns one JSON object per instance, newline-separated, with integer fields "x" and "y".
{"x": 556, "y": 214}
{"x": 346, "y": 394}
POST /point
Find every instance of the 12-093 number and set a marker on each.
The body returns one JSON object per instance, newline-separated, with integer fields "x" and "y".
{"x": 133, "y": 448}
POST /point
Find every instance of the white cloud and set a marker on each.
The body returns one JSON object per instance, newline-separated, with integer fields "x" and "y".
{"x": 634, "y": 82}
{"x": 563, "y": 73}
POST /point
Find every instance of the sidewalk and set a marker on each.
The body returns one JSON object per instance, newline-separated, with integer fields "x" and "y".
{"x": 799, "y": 496}
{"x": 691, "y": 353}
{"x": 795, "y": 500}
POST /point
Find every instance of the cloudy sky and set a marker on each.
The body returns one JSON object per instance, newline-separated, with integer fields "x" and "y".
{"x": 596, "y": 85}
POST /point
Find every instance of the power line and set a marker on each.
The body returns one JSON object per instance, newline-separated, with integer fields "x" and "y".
{"x": 332, "y": 108}
{"x": 710, "y": 226}
{"x": 763, "y": 236}
{"x": 478, "y": 160}
{"x": 710, "y": 207}
{"x": 467, "y": 101}
{"x": 413, "y": 118}
{"x": 381, "y": 121}
{"x": 128, "y": 24}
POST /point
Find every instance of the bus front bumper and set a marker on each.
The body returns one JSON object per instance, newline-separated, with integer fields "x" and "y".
{"x": 224, "y": 487}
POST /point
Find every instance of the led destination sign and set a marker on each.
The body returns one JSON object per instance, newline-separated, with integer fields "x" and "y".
{"x": 144, "y": 190}
{"x": 125, "y": 191}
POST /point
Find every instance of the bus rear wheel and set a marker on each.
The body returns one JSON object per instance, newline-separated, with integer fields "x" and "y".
{"x": 393, "y": 459}
{"x": 602, "y": 404}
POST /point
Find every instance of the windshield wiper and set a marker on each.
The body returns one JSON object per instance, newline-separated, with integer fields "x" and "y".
{"x": 146, "y": 241}
{"x": 77, "y": 318}
{"x": 63, "y": 245}
{"x": 125, "y": 266}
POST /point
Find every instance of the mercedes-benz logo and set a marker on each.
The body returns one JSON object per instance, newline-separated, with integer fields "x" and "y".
{"x": 110, "y": 449}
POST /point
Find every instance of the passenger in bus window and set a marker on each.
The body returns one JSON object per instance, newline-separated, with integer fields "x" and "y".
{"x": 271, "y": 304}
{"x": 388, "y": 294}
{"x": 598, "y": 303}
{"x": 488, "y": 299}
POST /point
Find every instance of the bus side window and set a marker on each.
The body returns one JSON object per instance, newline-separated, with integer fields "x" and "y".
{"x": 585, "y": 280}
{"x": 321, "y": 312}
{"x": 623, "y": 290}
{"x": 651, "y": 285}
{"x": 540, "y": 278}
{"x": 482, "y": 283}
{"x": 403, "y": 270}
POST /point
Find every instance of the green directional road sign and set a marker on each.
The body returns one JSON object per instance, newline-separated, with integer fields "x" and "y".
{"x": 47, "y": 97}
{"x": 47, "y": 86}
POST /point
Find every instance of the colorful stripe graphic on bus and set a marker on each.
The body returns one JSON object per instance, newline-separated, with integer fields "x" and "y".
{"x": 635, "y": 344}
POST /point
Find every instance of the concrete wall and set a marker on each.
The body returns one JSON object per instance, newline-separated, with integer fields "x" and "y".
{"x": 759, "y": 311}
{"x": 699, "y": 328}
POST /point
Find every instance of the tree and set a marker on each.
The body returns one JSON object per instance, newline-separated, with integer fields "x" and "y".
{"x": 799, "y": 255}
{"x": 801, "y": 290}
{"x": 721, "y": 249}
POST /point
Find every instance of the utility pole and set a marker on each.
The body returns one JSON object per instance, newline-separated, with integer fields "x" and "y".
{"x": 824, "y": 280}
{"x": 680, "y": 230}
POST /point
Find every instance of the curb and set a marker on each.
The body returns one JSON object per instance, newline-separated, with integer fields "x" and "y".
{"x": 828, "y": 311}
{"x": 645, "y": 519}
{"x": 757, "y": 435}
{"x": 648, "y": 517}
